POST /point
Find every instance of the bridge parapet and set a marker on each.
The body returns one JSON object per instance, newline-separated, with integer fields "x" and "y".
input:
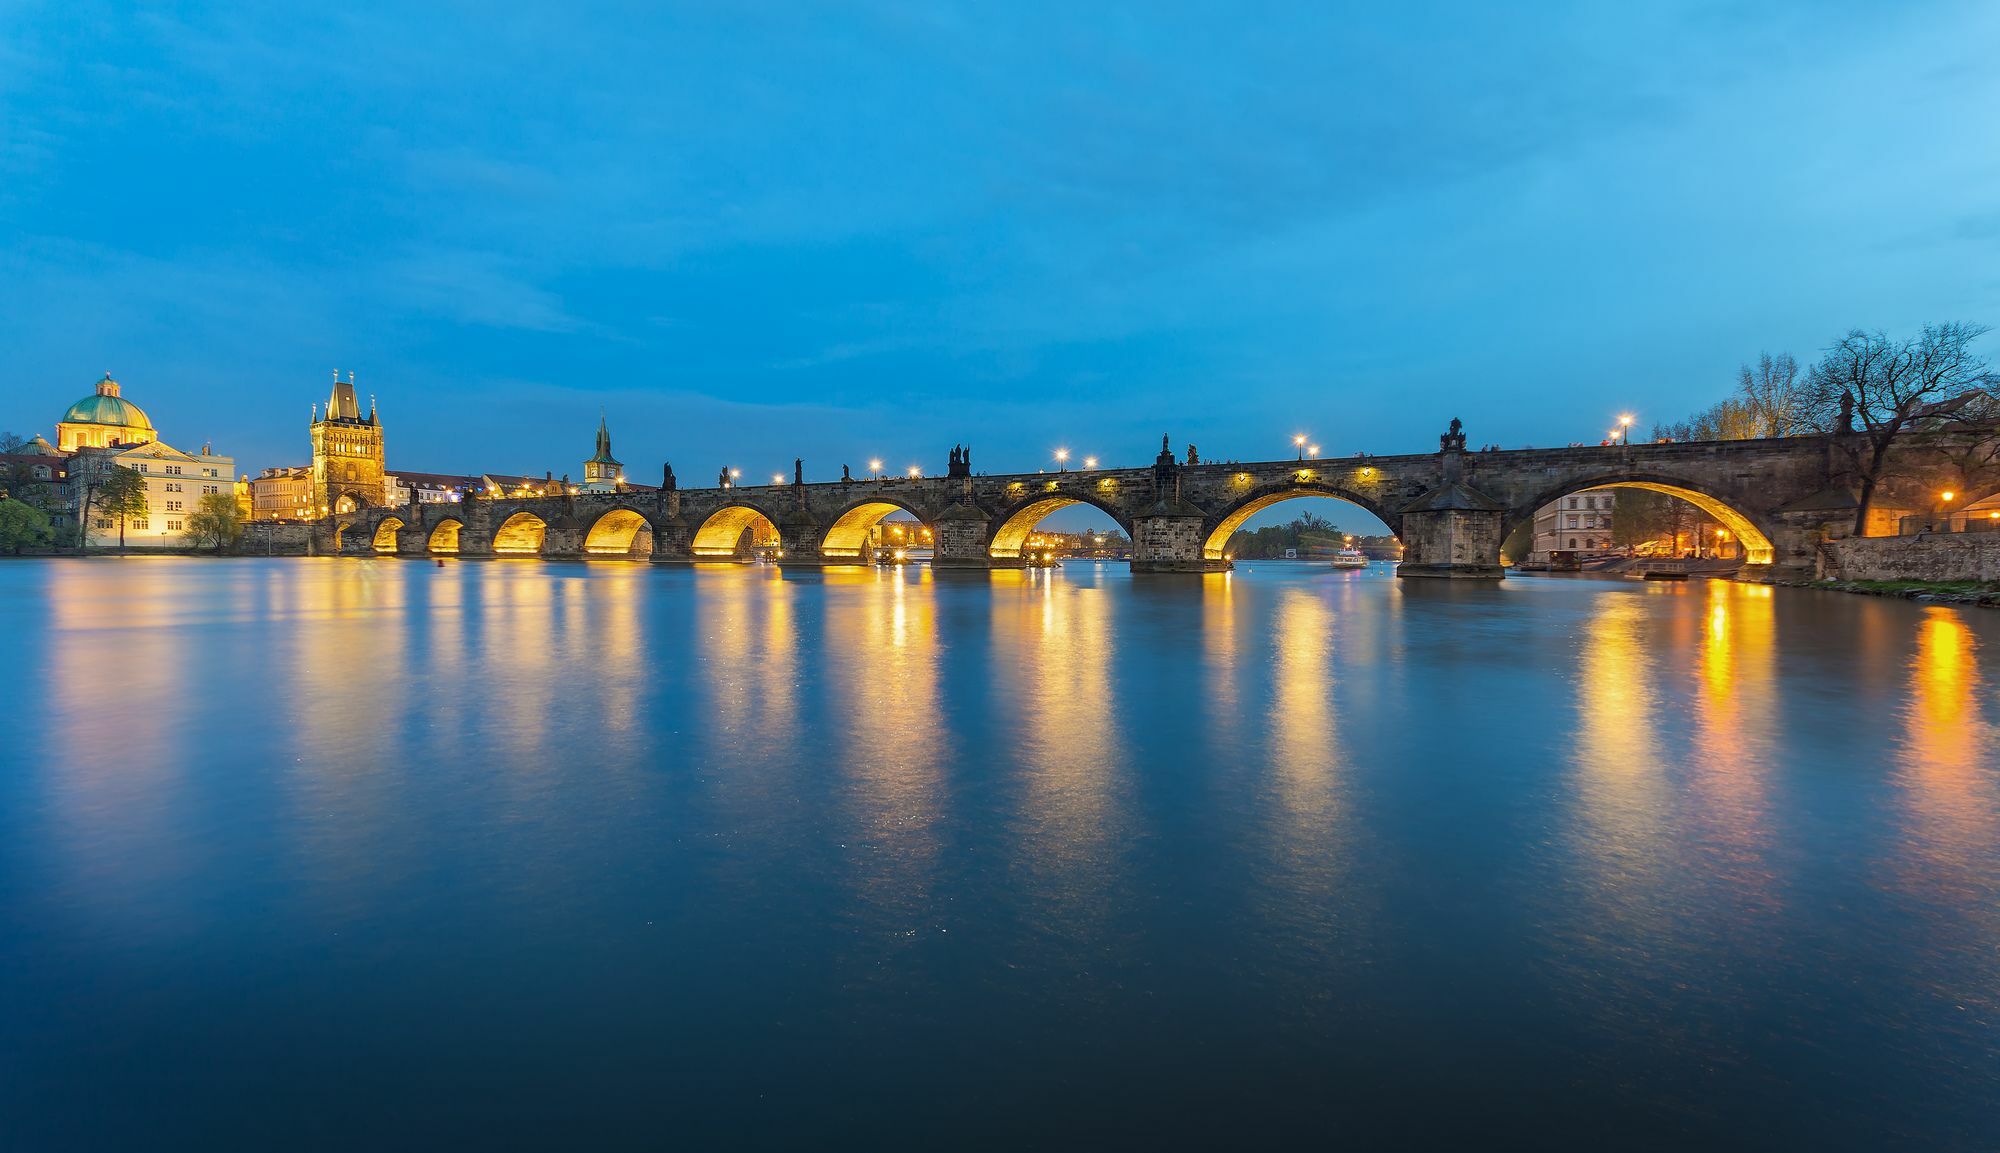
{"x": 1451, "y": 508}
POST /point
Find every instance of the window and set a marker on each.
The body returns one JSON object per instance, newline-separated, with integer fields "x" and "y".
{"x": 141, "y": 466}
{"x": 106, "y": 522}
{"x": 1572, "y": 542}
{"x": 41, "y": 472}
{"x": 1573, "y": 502}
{"x": 207, "y": 488}
{"x": 1571, "y": 524}
{"x": 173, "y": 506}
{"x": 173, "y": 526}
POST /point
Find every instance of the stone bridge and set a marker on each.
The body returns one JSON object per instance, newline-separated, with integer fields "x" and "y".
{"x": 1451, "y": 509}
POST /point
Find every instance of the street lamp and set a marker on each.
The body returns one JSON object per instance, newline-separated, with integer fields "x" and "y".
{"x": 1625, "y": 423}
{"x": 1062, "y": 460}
{"x": 915, "y": 472}
{"x": 1312, "y": 450}
{"x": 1299, "y": 442}
{"x": 1090, "y": 462}
{"x": 777, "y": 478}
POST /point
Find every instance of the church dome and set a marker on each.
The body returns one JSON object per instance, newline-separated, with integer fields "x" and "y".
{"x": 106, "y": 407}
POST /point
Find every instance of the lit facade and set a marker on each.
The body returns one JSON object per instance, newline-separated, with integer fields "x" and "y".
{"x": 1577, "y": 523}
{"x": 347, "y": 454}
{"x": 602, "y": 472}
{"x": 102, "y": 420}
{"x": 175, "y": 483}
{"x": 283, "y": 494}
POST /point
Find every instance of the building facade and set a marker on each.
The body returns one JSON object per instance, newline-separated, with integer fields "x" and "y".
{"x": 1579, "y": 523}
{"x": 102, "y": 420}
{"x": 602, "y": 472}
{"x": 347, "y": 454}
{"x": 283, "y": 494}
{"x": 175, "y": 483}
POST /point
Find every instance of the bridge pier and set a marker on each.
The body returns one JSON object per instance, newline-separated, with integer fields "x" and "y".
{"x": 1169, "y": 539}
{"x": 961, "y": 537}
{"x": 1453, "y": 532}
{"x": 673, "y": 540}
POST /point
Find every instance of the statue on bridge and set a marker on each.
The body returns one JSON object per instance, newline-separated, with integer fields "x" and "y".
{"x": 1454, "y": 440}
{"x": 960, "y": 463}
{"x": 722, "y": 479}
{"x": 846, "y": 477}
{"x": 1846, "y": 412}
{"x": 667, "y": 483}
{"x": 798, "y": 470}
{"x": 1193, "y": 457}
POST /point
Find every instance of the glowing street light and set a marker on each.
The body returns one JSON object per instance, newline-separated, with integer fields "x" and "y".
{"x": 874, "y": 467}
{"x": 777, "y": 478}
{"x": 1090, "y": 462}
{"x": 915, "y": 472}
{"x": 1625, "y": 423}
{"x": 1299, "y": 442}
{"x": 1312, "y": 450}
{"x": 1062, "y": 460}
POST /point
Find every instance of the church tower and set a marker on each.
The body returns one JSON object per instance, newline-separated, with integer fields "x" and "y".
{"x": 347, "y": 453}
{"x": 603, "y": 473}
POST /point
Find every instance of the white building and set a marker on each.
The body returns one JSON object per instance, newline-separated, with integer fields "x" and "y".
{"x": 1579, "y": 523}
{"x": 104, "y": 429}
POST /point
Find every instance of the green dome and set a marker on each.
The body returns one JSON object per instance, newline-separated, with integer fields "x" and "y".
{"x": 107, "y": 407}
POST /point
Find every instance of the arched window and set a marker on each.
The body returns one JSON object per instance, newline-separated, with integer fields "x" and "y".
{"x": 350, "y": 472}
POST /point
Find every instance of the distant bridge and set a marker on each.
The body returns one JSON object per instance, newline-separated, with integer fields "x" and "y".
{"x": 1451, "y": 509}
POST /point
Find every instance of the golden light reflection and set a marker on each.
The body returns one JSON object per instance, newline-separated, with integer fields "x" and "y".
{"x": 1945, "y": 774}
{"x": 1623, "y": 802}
{"x": 1304, "y": 749}
{"x": 1736, "y": 722}
{"x": 888, "y": 717}
{"x": 1053, "y": 650}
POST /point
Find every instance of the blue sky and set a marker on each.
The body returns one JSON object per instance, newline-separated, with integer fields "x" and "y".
{"x": 754, "y": 232}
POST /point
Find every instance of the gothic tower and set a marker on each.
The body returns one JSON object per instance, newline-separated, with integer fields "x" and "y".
{"x": 603, "y": 473}
{"x": 347, "y": 453}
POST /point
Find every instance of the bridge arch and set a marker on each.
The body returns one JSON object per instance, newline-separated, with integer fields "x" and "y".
{"x": 520, "y": 535}
{"x": 388, "y": 533}
{"x": 718, "y": 535}
{"x": 444, "y": 537}
{"x": 848, "y": 534}
{"x": 1019, "y": 520}
{"x": 1215, "y": 542}
{"x": 619, "y": 532}
{"x": 1751, "y": 536}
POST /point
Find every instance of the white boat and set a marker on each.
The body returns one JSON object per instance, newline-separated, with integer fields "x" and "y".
{"x": 1350, "y": 558}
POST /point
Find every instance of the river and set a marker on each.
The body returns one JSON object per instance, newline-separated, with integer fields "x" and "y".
{"x": 360, "y": 854}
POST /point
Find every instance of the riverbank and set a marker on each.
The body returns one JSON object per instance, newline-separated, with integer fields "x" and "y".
{"x": 1983, "y": 593}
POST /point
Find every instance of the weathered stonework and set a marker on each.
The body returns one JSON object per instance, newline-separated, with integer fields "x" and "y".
{"x": 1783, "y": 498}
{"x": 1964, "y": 556}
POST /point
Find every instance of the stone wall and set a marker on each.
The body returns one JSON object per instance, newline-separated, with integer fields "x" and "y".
{"x": 268, "y": 538}
{"x": 1973, "y": 556}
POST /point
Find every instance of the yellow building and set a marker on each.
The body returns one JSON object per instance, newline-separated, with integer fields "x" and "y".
{"x": 102, "y": 420}
{"x": 283, "y": 494}
{"x": 347, "y": 454}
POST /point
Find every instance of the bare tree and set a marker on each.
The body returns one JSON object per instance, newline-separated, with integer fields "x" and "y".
{"x": 11, "y": 441}
{"x": 1779, "y": 401}
{"x": 1888, "y": 387}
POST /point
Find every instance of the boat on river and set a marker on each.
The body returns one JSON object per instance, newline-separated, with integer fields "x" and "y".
{"x": 1350, "y": 558}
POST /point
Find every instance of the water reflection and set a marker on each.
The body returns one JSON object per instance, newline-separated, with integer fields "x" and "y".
{"x": 1053, "y": 652}
{"x": 1950, "y": 796}
{"x": 894, "y": 738}
{"x": 1709, "y": 853}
